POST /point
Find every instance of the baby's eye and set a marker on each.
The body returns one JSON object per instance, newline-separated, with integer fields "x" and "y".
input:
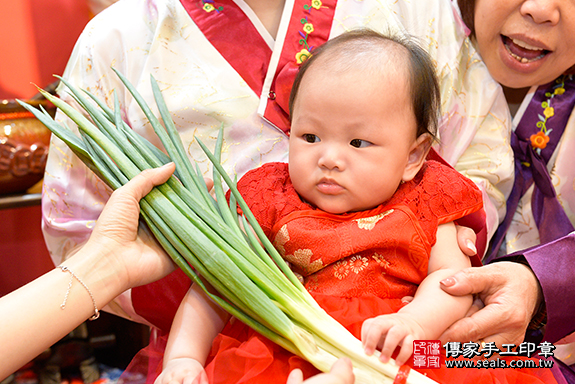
{"x": 311, "y": 138}
{"x": 358, "y": 143}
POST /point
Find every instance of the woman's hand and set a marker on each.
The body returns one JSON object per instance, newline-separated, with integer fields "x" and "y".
{"x": 340, "y": 373}
{"x": 510, "y": 292}
{"x": 466, "y": 238}
{"x": 133, "y": 253}
{"x": 114, "y": 258}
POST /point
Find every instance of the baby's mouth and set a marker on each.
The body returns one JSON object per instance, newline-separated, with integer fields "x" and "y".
{"x": 521, "y": 51}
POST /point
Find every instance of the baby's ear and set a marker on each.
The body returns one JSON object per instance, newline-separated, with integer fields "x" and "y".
{"x": 417, "y": 156}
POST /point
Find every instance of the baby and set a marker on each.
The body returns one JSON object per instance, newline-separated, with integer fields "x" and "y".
{"x": 358, "y": 212}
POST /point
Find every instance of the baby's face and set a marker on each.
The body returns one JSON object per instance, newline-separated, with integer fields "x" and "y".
{"x": 351, "y": 138}
{"x": 525, "y": 43}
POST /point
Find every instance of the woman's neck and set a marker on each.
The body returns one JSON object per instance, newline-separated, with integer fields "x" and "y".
{"x": 269, "y": 12}
{"x": 514, "y": 98}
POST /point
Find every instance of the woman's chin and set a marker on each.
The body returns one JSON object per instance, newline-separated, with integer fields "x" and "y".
{"x": 514, "y": 80}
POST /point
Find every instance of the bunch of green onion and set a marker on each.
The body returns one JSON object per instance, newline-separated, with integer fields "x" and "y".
{"x": 253, "y": 282}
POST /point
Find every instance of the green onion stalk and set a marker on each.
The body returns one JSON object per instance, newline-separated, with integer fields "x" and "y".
{"x": 206, "y": 237}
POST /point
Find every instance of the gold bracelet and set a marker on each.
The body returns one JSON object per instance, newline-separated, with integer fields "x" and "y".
{"x": 72, "y": 277}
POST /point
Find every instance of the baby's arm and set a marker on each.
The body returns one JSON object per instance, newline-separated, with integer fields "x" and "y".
{"x": 430, "y": 313}
{"x": 197, "y": 322}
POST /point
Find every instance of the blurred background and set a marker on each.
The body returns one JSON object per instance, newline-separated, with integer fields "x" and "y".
{"x": 37, "y": 39}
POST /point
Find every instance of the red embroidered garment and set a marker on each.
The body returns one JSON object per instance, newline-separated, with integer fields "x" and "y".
{"x": 382, "y": 251}
{"x": 356, "y": 265}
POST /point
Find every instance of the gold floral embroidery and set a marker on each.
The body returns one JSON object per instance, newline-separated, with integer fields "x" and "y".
{"x": 341, "y": 269}
{"x": 311, "y": 283}
{"x": 368, "y": 223}
{"x": 381, "y": 260}
{"x": 281, "y": 239}
{"x": 358, "y": 263}
{"x": 301, "y": 258}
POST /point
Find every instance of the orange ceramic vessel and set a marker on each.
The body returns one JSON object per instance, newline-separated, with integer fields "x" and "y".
{"x": 24, "y": 143}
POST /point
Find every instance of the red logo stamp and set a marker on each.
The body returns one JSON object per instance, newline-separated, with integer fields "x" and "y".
{"x": 427, "y": 354}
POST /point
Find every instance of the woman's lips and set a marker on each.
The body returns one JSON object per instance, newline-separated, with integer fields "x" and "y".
{"x": 522, "y": 51}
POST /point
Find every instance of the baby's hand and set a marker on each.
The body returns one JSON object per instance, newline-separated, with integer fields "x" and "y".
{"x": 389, "y": 331}
{"x": 182, "y": 371}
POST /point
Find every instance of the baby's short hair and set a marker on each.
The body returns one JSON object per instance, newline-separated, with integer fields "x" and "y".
{"x": 359, "y": 50}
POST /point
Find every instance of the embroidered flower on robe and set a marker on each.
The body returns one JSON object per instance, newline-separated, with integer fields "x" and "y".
{"x": 281, "y": 239}
{"x": 381, "y": 260}
{"x": 308, "y": 28}
{"x": 300, "y": 258}
{"x": 302, "y": 56}
{"x": 209, "y": 6}
{"x": 316, "y": 4}
{"x": 539, "y": 140}
{"x": 358, "y": 263}
{"x": 341, "y": 269}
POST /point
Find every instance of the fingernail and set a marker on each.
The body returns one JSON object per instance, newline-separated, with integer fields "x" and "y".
{"x": 471, "y": 245}
{"x": 448, "y": 282}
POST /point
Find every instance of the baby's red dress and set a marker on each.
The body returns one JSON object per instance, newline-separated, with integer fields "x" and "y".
{"x": 356, "y": 265}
